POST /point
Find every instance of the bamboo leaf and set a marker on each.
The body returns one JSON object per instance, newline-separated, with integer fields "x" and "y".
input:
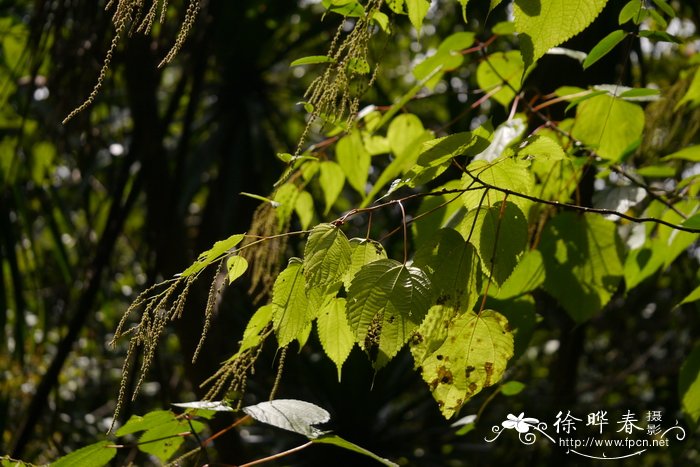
{"x": 603, "y": 47}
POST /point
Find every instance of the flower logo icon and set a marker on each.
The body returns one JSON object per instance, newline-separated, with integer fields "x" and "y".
{"x": 520, "y": 423}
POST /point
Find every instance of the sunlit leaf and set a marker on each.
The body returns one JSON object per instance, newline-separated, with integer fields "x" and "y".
{"x": 290, "y": 306}
{"x": 332, "y": 179}
{"x": 214, "y": 253}
{"x": 354, "y": 160}
{"x": 326, "y": 256}
{"x": 363, "y": 252}
{"x": 334, "y": 332}
{"x": 340, "y": 442}
{"x": 93, "y": 455}
{"x": 311, "y": 60}
{"x": 689, "y": 386}
{"x": 236, "y": 267}
{"x": 290, "y": 414}
{"x": 502, "y": 70}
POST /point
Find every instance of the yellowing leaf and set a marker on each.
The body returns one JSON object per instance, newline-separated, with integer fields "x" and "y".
{"x": 417, "y": 10}
{"x": 473, "y": 356}
{"x": 212, "y": 254}
{"x": 543, "y": 24}
{"x": 236, "y": 266}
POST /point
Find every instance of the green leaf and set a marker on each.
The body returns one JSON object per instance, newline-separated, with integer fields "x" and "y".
{"x": 285, "y": 200}
{"x": 291, "y": 415}
{"x": 311, "y": 60}
{"x": 543, "y": 24}
{"x": 304, "y": 207}
{"x": 659, "y": 36}
{"x": 611, "y": 126}
{"x": 689, "y": 387}
{"x": 392, "y": 299}
{"x": 334, "y": 332}
{"x": 657, "y": 171}
{"x": 443, "y": 210}
{"x": 501, "y": 70}
{"x": 691, "y": 153}
{"x": 212, "y": 254}
{"x": 500, "y": 236}
{"x": 350, "y": 8}
{"x": 93, "y": 455}
{"x": 256, "y": 325}
{"x": 363, "y": 252}
{"x": 417, "y": 10}
{"x": 326, "y": 256}
{"x": 527, "y": 276}
{"x": 452, "y": 267}
{"x": 512, "y": 388}
{"x": 693, "y": 296}
{"x": 290, "y": 306}
{"x": 603, "y": 47}
{"x": 340, "y": 442}
{"x": 665, "y": 7}
{"x": 332, "y": 179}
{"x": 582, "y": 262}
{"x": 431, "y": 333}
{"x": 632, "y": 9}
{"x": 692, "y": 222}
{"x": 474, "y": 356}
{"x": 637, "y": 94}
{"x": 542, "y": 148}
{"x": 236, "y": 267}
{"x": 504, "y": 28}
{"x": 503, "y": 173}
{"x": 692, "y": 95}
{"x": 448, "y": 57}
{"x": 164, "y": 440}
{"x": 354, "y": 160}
{"x": 141, "y": 423}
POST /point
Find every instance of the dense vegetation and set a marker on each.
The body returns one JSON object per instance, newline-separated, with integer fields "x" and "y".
{"x": 357, "y": 221}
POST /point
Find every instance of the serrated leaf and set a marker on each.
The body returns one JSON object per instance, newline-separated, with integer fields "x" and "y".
{"x": 503, "y": 173}
{"x": 332, "y": 179}
{"x": 312, "y": 60}
{"x": 290, "y": 414}
{"x": 354, "y": 160}
{"x": 436, "y": 212}
{"x": 691, "y": 153}
{"x": 417, "y": 9}
{"x": 141, "y": 423}
{"x": 582, "y": 261}
{"x": 504, "y": 70}
{"x": 215, "y": 406}
{"x": 603, "y": 47}
{"x": 334, "y": 332}
{"x": 236, "y": 267}
{"x": 474, "y": 356}
{"x": 290, "y": 306}
{"x": 304, "y": 207}
{"x": 448, "y": 57}
{"x": 452, "y": 266}
{"x": 431, "y": 333}
{"x": 542, "y": 148}
{"x": 340, "y": 442}
{"x": 527, "y": 276}
{"x": 326, "y": 256}
{"x": 611, "y": 126}
{"x": 543, "y": 24}
{"x": 363, "y": 252}
{"x": 396, "y": 296}
{"x": 500, "y": 252}
{"x": 93, "y": 455}
{"x": 212, "y": 254}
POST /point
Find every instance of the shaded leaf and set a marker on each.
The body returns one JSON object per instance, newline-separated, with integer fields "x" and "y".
{"x": 603, "y": 47}
{"x": 332, "y": 179}
{"x": 93, "y": 455}
{"x": 689, "y": 386}
{"x": 311, "y": 60}
{"x": 340, "y": 442}
{"x": 141, "y": 423}
{"x": 290, "y": 414}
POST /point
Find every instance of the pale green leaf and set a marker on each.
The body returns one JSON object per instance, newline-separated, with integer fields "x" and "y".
{"x": 693, "y": 296}
{"x": 417, "y": 10}
{"x": 304, "y": 207}
{"x": 448, "y": 57}
{"x": 256, "y": 325}
{"x": 340, "y": 442}
{"x": 689, "y": 387}
{"x": 326, "y": 256}
{"x": 499, "y": 235}
{"x": 603, "y": 47}
{"x": 512, "y": 388}
{"x": 640, "y": 94}
{"x": 332, "y": 179}
{"x": 351, "y": 8}
{"x": 397, "y": 6}
{"x": 582, "y": 261}
{"x": 290, "y": 306}
{"x": 311, "y": 60}
{"x": 542, "y": 148}
{"x": 236, "y": 267}
{"x": 504, "y": 28}
{"x": 354, "y": 160}
{"x": 506, "y": 135}
{"x": 611, "y": 126}
{"x": 164, "y": 440}
{"x": 452, "y": 266}
{"x": 285, "y": 199}
{"x": 141, "y": 423}
{"x": 474, "y": 356}
{"x": 212, "y": 254}
{"x": 657, "y": 171}
{"x": 502, "y": 70}
{"x": 290, "y": 414}
{"x": 543, "y": 24}
{"x": 334, "y": 332}
{"x": 392, "y": 299}
{"x": 363, "y": 252}
{"x": 691, "y": 154}
{"x": 665, "y": 7}
{"x": 93, "y": 455}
